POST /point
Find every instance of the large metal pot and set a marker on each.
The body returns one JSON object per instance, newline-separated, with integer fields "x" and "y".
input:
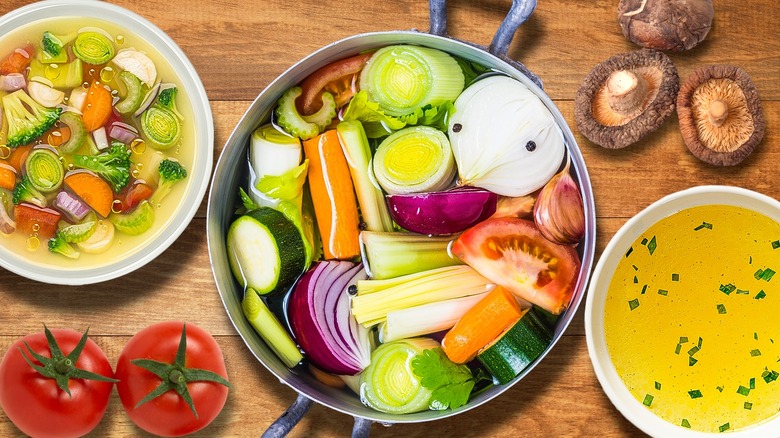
{"x": 231, "y": 172}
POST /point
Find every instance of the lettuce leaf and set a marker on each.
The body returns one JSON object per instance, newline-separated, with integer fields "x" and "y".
{"x": 378, "y": 124}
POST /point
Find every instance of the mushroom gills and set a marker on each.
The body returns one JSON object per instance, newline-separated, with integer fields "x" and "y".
{"x": 723, "y": 121}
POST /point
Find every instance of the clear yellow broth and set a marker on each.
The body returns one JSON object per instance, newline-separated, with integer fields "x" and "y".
{"x": 124, "y": 245}
{"x": 691, "y": 318}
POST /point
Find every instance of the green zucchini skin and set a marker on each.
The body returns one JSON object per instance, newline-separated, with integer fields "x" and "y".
{"x": 250, "y": 262}
{"x": 523, "y": 343}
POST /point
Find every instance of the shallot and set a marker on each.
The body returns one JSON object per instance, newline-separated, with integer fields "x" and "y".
{"x": 12, "y": 82}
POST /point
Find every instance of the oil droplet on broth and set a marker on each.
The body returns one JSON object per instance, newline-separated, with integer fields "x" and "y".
{"x": 107, "y": 74}
{"x": 138, "y": 146}
{"x": 85, "y": 85}
{"x": 119, "y": 39}
{"x": 36, "y": 227}
{"x": 116, "y": 206}
{"x": 135, "y": 173}
{"x": 33, "y": 243}
{"x": 71, "y": 166}
{"x": 52, "y": 71}
{"x": 92, "y": 72}
{"x": 5, "y": 151}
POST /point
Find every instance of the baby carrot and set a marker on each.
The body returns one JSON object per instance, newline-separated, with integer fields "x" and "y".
{"x": 481, "y": 324}
{"x": 19, "y": 156}
{"x": 333, "y": 195}
{"x": 7, "y": 175}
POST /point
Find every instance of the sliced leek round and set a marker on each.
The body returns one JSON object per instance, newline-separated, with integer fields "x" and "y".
{"x": 44, "y": 169}
{"x": 413, "y": 160}
{"x": 93, "y": 48}
{"x": 404, "y": 78}
{"x": 161, "y": 127}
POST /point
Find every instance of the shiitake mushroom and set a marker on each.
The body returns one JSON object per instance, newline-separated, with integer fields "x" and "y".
{"x": 720, "y": 114}
{"x": 666, "y": 24}
{"x": 626, "y": 97}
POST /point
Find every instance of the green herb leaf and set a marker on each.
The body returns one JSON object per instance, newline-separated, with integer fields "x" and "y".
{"x": 695, "y": 349}
{"x": 675, "y": 277}
{"x": 685, "y": 423}
{"x": 743, "y": 390}
{"x": 721, "y": 309}
{"x": 752, "y": 383}
{"x": 652, "y": 245}
{"x": 760, "y": 295}
{"x": 767, "y": 274}
{"x": 630, "y": 250}
{"x": 644, "y": 241}
{"x": 724, "y": 427}
{"x": 678, "y": 349}
{"x": 702, "y": 226}
{"x": 636, "y": 280}
{"x": 657, "y": 386}
{"x": 644, "y": 289}
{"x": 663, "y": 292}
{"x": 776, "y": 244}
{"x": 450, "y": 384}
{"x": 648, "y": 400}
{"x": 683, "y": 339}
{"x": 695, "y": 393}
{"x": 755, "y": 353}
{"x": 748, "y": 406}
{"x": 633, "y": 304}
{"x": 692, "y": 361}
{"x": 727, "y": 288}
{"x": 719, "y": 388}
{"x": 770, "y": 377}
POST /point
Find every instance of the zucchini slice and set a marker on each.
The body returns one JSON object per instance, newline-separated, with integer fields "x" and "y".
{"x": 516, "y": 348}
{"x": 266, "y": 251}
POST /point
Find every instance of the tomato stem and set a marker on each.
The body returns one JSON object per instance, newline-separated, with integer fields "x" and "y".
{"x": 175, "y": 376}
{"x": 60, "y": 367}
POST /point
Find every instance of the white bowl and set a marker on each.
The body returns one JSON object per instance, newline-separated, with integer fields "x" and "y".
{"x": 197, "y": 176}
{"x": 610, "y": 381}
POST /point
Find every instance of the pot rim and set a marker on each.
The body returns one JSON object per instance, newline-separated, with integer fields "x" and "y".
{"x": 250, "y": 120}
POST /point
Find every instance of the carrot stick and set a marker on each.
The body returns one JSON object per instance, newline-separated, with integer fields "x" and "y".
{"x": 333, "y": 195}
{"x": 16, "y": 61}
{"x": 7, "y": 175}
{"x": 92, "y": 190}
{"x": 31, "y": 219}
{"x": 97, "y": 106}
{"x": 481, "y": 324}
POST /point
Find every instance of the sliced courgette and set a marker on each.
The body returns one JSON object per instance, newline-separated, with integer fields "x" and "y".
{"x": 304, "y": 127}
{"x": 516, "y": 348}
{"x": 136, "y": 222}
{"x": 80, "y": 232}
{"x": 78, "y": 132}
{"x": 134, "y": 95}
{"x": 266, "y": 251}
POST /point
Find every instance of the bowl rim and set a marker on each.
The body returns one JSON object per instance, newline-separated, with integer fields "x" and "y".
{"x": 188, "y": 79}
{"x": 610, "y": 381}
{"x": 251, "y": 120}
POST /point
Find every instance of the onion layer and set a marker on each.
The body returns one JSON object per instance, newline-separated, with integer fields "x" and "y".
{"x": 322, "y": 323}
{"x": 446, "y": 212}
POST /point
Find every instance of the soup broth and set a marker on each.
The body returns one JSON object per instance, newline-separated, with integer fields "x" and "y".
{"x": 144, "y": 157}
{"x": 690, "y": 318}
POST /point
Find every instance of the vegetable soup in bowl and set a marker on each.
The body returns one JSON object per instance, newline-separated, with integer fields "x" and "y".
{"x": 680, "y": 316}
{"x": 106, "y": 141}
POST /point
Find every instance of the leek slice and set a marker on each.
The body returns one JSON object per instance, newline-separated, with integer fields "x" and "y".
{"x": 389, "y": 255}
{"x": 426, "y": 319}
{"x": 161, "y": 127}
{"x": 270, "y": 329}
{"x": 44, "y": 169}
{"x": 376, "y": 298}
{"x": 413, "y": 160}
{"x": 93, "y": 48}
{"x": 271, "y": 153}
{"x": 389, "y": 383}
{"x": 403, "y": 78}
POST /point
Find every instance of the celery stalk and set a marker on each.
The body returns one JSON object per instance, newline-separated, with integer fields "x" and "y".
{"x": 370, "y": 197}
{"x": 270, "y": 329}
{"x": 376, "y": 298}
{"x": 388, "y": 255}
{"x": 426, "y": 319}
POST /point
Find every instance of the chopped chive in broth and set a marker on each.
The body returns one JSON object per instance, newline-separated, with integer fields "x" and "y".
{"x": 721, "y": 309}
{"x": 725, "y": 427}
{"x": 748, "y": 405}
{"x": 755, "y": 353}
{"x": 742, "y": 390}
{"x": 727, "y": 288}
{"x": 657, "y": 386}
{"x": 648, "y": 400}
{"x": 663, "y": 292}
{"x": 675, "y": 277}
{"x": 652, "y": 245}
{"x": 776, "y": 244}
{"x": 633, "y": 304}
{"x": 695, "y": 394}
{"x": 703, "y": 226}
{"x": 760, "y": 295}
{"x": 685, "y": 423}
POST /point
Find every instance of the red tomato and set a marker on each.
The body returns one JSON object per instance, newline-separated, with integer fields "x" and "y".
{"x": 338, "y": 78}
{"x": 133, "y": 195}
{"x": 36, "y": 405}
{"x": 169, "y": 414}
{"x": 514, "y": 254}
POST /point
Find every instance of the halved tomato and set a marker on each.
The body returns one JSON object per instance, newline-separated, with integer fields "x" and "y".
{"x": 514, "y": 254}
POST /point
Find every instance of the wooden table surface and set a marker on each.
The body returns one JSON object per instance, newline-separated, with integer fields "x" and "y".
{"x": 239, "y": 46}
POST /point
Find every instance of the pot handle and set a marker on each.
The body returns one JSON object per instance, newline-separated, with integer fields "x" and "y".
{"x": 294, "y": 414}
{"x": 518, "y": 13}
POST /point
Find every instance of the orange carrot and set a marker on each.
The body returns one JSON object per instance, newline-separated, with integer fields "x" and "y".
{"x": 481, "y": 324}
{"x": 92, "y": 190}
{"x": 333, "y": 195}
{"x": 7, "y": 175}
{"x": 97, "y": 106}
{"x": 27, "y": 216}
{"x": 19, "y": 156}
{"x": 16, "y": 61}
{"x": 57, "y": 136}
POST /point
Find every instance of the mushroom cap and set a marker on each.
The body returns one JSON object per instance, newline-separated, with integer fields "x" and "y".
{"x": 601, "y": 123}
{"x": 713, "y": 136}
{"x": 666, "y": 24}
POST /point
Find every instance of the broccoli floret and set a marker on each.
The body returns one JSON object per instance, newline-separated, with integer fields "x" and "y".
{"x": 27, "y": 119}
{"x": 171, "y": 172}
{"x": 113, "y": 166}
{"x": 59, "y": 245}
{"x": 53, "y": 44}
{"x": 24, "y": 191}
{"x": 167, "y": 98}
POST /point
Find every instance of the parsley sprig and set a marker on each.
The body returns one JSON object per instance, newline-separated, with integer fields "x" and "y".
{"x": 450, "y": 383}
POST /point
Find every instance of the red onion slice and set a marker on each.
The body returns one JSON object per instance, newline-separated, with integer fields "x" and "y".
{"x": 445, "y": 212}
{"x": 12, "y": 82}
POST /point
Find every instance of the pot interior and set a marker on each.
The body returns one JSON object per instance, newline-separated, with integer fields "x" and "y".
{"x": 231, "y": 173}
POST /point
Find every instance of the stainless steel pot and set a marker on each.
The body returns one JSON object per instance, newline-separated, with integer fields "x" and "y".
{"x": 231, "y": 172}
